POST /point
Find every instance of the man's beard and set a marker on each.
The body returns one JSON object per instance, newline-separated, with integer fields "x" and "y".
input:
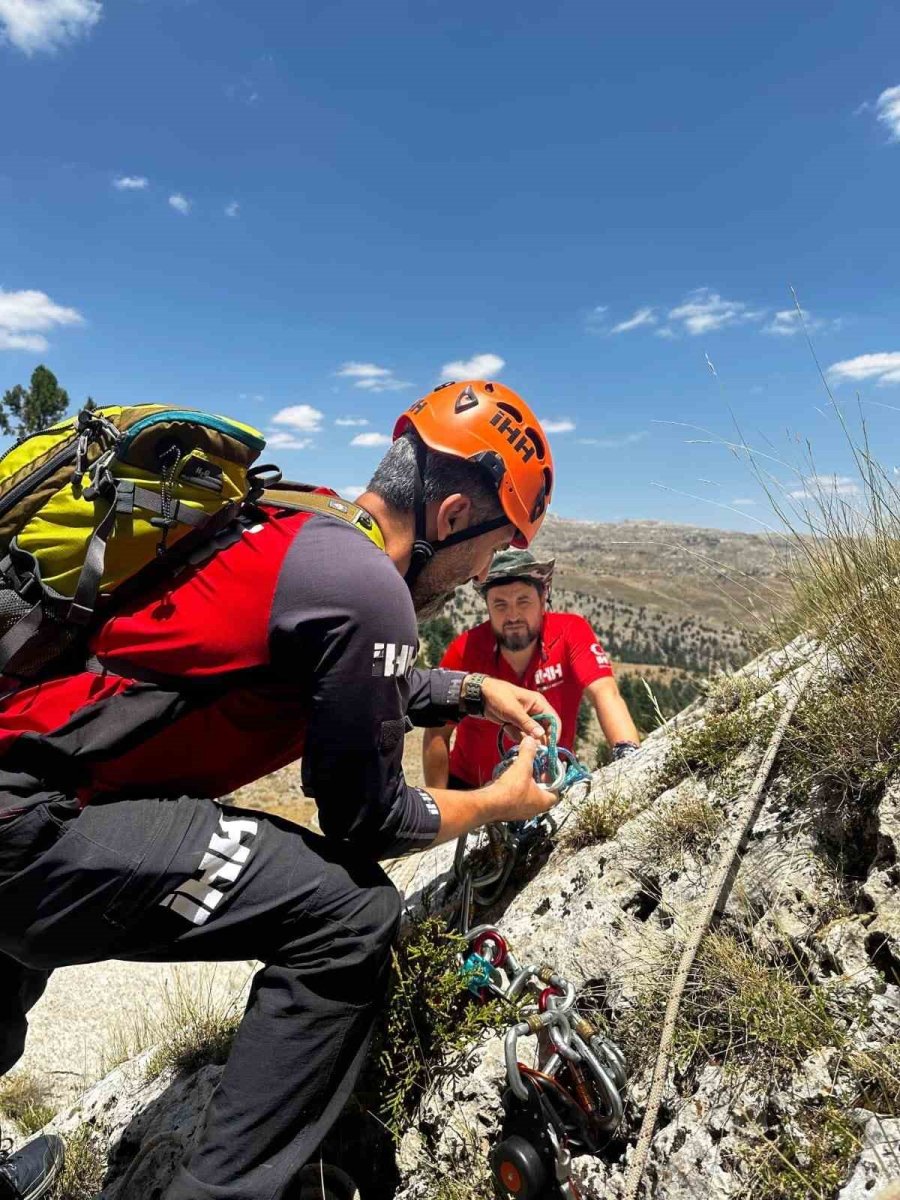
{"x": 519, "y": 639}
{"x": 439, "y": 579}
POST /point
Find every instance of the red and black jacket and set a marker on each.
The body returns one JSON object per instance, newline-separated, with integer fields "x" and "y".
{"x": 291, "y": 636}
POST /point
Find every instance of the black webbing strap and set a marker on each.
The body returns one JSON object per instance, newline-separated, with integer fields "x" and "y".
{"x": 85, "y": 599}
{"x": 20, "y": 634}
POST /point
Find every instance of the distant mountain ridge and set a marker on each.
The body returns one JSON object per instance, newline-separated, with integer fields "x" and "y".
{"x": 657, "y": 593}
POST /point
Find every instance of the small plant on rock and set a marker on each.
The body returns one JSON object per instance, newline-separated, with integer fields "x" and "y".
{"x": 430, "y": 1021}
{"x": 25, "y": 1099}
{"x": 688, "y": 826}
{"x": 807, "y": 1158}
{"x": 598, "y": 818}
{"x": 196, "y": 1028}
{"x": 84, "y": 1168}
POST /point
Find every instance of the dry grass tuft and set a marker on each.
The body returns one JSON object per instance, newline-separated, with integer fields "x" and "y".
{"x": 598, "y": 818}
{"x": 84, "y": 1169}
{"x": 25, "y": 1099}
{"x": 808, "y": 1158}
{"x": 197, "y": 1027}
{"x": 688, "y": 826}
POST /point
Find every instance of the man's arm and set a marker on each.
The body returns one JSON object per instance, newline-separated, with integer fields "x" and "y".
{"x": 436, "y": 755}
{"x": 612, "y": 712}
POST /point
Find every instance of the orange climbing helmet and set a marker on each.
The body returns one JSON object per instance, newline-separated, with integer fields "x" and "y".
{"x": 489, "y": 424}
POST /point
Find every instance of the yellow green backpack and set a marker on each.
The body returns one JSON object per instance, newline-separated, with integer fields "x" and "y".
{"x": 88, "y": 504}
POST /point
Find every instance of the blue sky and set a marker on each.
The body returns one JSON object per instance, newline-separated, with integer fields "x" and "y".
{"x": 306, "y": 213}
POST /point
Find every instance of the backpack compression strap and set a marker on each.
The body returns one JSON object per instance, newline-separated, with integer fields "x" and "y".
{"x": 328, "y": 506}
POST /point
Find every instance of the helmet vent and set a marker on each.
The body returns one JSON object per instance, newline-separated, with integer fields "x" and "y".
{"x": 513, "y": 412}
{"x": 539, "y": 447}
{"x": 465, "y": 400}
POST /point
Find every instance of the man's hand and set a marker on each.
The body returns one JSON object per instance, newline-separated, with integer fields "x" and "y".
{"x": 513, "y": 796}
{"x": 514, "y": 708}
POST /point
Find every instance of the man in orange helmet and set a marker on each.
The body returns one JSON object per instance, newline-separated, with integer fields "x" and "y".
{"x": 293, "y": 635}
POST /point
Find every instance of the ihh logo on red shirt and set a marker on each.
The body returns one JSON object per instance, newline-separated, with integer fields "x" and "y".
{"x": 546, "y": 677}
{"x": 600, "y": 655}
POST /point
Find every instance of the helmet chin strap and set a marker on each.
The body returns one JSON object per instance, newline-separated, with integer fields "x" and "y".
{"x": 424, "y": 550}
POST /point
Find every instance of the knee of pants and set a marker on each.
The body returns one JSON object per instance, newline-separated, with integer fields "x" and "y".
{"x": 356, "y": 933}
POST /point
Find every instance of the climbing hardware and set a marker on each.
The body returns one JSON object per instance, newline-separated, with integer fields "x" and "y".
{"x": 571, "y": 1101}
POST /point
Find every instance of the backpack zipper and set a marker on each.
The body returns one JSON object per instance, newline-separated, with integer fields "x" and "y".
{"x": 36, "y": 478}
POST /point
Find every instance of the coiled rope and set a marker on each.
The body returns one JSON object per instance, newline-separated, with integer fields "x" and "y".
{"x": 711, "y": 904}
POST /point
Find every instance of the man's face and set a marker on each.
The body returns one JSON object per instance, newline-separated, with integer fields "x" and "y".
{"x": 449, "y": 568}
{"x": 516, "y": 612}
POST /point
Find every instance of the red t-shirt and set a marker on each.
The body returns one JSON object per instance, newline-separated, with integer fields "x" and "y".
{"x": 567, "y": 658}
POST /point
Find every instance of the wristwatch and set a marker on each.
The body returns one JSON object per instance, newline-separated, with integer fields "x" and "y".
{"x": 623, "y": 749}
{"x": 471, "y": 697}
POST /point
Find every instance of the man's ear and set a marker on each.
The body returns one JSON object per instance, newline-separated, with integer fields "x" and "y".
{"x": 453, "y": 514}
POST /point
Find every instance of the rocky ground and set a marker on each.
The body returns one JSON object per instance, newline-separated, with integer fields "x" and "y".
{"x": 786, "y": 1082}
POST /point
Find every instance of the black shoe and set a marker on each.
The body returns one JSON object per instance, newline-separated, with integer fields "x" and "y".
{"x": 31, "y": 1171}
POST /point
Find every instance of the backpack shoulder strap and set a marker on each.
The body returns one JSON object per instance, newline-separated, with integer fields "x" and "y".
{"x": 328, "y": 506}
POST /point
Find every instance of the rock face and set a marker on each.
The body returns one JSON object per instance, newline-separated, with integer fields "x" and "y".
{"x": 807, "y": 968}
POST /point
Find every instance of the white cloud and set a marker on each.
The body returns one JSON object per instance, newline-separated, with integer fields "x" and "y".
{"x": 887, "y": 110}
{"x": 371, "y": 439}
{"x": 371, "y": 377}
{"x": 232, "y": 209}
{"x": 741, "y": 502}
{"x": 287, "y": 441}
{"x": 596, "y": 318}
{"x": 479, "y": 366}
{"x": 25, "y": 317}
{"x": 614, "y": 443}
{"x": 256, "y": 397}
{"x": 815, "y": 485}
{"x": 129, "y": 183}
{"x": 33, "y": 25}
{"x": 557, "y": 425}
{"x": 704, "y": 311}
{"x": 643, "y": 316}
{"x": 884, "y": 367}
{"x": 180, "y": 203}
{"x": 352, "y": 491}
{"x": 350, "y": 421}
{"x": 789, "y": 321}
{"x": 301, "y": 417}
{"x": 666, "y": 332}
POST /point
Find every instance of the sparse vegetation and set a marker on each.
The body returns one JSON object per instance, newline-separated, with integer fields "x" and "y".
{"x": 711, "y": 747}
{"x": 687, "y": 826}
{"x": 740, "y": 1010}
{"x": 874, "y": 1076}
{"x": 84, "y": 1169}
{"x": 807, "y": 1158}
{"x": 196, "y": 1027}
{"x": 25, "y": 1099}
{"x": 598, "y": 818}
{"x": 430, "y": 1023}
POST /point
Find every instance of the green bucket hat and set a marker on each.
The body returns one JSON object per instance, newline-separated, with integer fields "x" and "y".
{"x": 510, "y": 565}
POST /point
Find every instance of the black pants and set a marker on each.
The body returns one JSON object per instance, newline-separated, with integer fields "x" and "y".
{"x": 185, "y": 880}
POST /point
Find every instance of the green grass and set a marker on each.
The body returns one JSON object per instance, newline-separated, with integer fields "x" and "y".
{"x": 25, "y": 1099}
{"x": 196, "y": 1028}
{"x": 690, "y": 825}
{"x": 739, "y": 1010}
{"x": 807, "y": 1159}
{"x": 84, "y": 1169}
{"x": 598, "y": 818}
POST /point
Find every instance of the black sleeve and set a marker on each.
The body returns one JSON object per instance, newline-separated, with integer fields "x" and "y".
{"x": 434, "y": 696}
{"x": 343, "y": 622}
